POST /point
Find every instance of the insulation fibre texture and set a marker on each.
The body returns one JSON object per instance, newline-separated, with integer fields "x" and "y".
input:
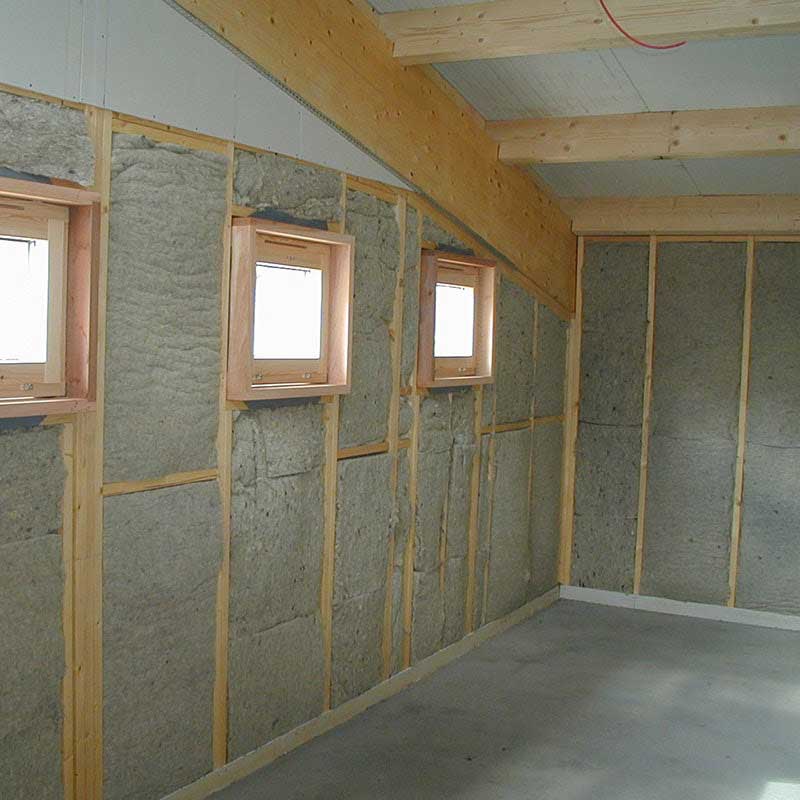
{"x": 509, "y": 564}
{"x": 47, "y": 139}
{"x": 163, "y": 328}
{"x": 364, "y": 527}
{"x": 410, "y": 296}
{"x": 550, "y": 364}
{"x": 364, "y": 413}
{"x": 270, "y": 182}
{"x": 276, "y": 657}
{"x": 402, "y": 533}
{"x": 615, "y": 279}
{"x": 606, "y": 506}
{"x": 433, "y": 233}
{"x": 32, "y": 476}
{"x": 162, "y": 555}
{"x": 548, "y": 441}
{"x": 485, "y": 501}
{"x": 513, "y": 383}
{"x": 770, "y": 548}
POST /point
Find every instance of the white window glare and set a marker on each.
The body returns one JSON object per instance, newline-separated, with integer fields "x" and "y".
{"x": 454, "y": 322}
{"x": 24, "y": 277}
{"x": 288, "y": 312}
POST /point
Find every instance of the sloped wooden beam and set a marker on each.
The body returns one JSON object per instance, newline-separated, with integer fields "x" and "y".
{"x": 721, "y": 214}
{"x": 333, "y": 55}
{"x": 633, "y": 137}
{"x": 528, "y": 27}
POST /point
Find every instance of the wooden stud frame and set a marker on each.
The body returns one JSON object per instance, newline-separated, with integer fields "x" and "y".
{"x": 439, "y": 267}
{"x": 70, "y": 220}
{"x": 257, "y": 240}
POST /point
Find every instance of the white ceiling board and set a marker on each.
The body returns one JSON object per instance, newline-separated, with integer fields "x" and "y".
{"x": 566, "y": 84}
{"x": 617, "y": 179}
{"x": 768, "y": 175}
{"x": 729, "y": 73}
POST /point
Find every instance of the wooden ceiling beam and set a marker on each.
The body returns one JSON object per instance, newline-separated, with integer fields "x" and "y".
{"x": 633, "y": 137}
{"x": 720, "y": 215}
{"x": 529, "y": 27}
{"x": 333, "y": 55}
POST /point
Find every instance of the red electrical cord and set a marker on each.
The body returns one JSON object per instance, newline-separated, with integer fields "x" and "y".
{"x": 633, "y": 38}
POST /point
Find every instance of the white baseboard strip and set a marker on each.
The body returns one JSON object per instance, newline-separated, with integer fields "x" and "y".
{"x": 247, "y": 764}
{"x": 661, "y": 605}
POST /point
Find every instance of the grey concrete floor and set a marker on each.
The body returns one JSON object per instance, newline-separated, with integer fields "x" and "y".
{"x": 580, "y": 702}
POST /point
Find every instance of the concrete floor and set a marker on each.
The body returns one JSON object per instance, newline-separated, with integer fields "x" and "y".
{"x": 581, "y": 702}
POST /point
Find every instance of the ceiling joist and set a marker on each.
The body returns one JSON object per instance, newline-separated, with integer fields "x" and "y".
{"x": 635, "y": 137}
{"x": 528, "y": 27}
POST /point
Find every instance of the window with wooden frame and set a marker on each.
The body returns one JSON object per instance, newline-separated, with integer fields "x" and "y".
{"x": 47, "y": 297}
{"x": 290, "y": 315}
{"x": 456, "y": 320}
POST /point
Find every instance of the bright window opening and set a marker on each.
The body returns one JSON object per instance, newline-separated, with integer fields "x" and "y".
{"x": 288, "y": 314}
{"x": 24, "y": 277}
{"x": 454, "y": 325}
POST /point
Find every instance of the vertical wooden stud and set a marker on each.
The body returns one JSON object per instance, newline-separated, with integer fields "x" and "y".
{"x": 68, "y": 614}
{"x": 474, "y": 511}
{"x": 647, "y": 402}
{"x": 744, "y": 391}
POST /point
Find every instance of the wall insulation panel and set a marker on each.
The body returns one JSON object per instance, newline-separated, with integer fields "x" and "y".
{"x": 548, "y": 445}
{"x": 364, "y": 413}
{"x": 161, "y": 558}
{"x": 770, "y": 547}
{"x": 615, "y": 281}
{"x": 45, "y": 139}
{"x": 551, "y": 359}
{"x": 32, "y": 664}
{"x": 276, "y": 659}
{"x": 163, "y": 329}
{"x": 694, "y": 419}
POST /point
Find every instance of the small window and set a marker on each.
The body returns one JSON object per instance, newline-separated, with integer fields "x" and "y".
{"x": 456, "y": 320}
{"x": 290, "y": 308}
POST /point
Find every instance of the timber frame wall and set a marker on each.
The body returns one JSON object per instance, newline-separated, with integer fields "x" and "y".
{"x": 83, "y": 448}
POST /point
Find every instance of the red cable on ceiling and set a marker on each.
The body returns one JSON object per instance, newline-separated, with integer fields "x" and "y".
{"x": 633, "y": 38}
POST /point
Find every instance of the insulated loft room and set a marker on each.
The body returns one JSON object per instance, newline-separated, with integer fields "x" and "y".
{"x": 400, "y": 400}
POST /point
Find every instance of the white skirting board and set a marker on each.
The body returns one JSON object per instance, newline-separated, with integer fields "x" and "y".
{"x": 661, "y": 605}
{"x": 243, "y": 766}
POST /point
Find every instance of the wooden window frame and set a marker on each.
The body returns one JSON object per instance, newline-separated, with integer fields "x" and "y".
{"x": 255, "y": 241}
{"x": 443, "y": 267}
{"x": 69, "y": 218}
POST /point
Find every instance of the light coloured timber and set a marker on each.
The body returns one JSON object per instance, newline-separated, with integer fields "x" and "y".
{"x": 268, "y": 753}
{"x": 68, "y": 613}
{"x": 404, "y": 119}
{"x": 165, "y": 482}
{"x": 124, "y": 123}
{"x": 474, "y": 511}
{"x": 721, "y": 133}
{"x": 685, "y": 215}
{"x": 506, "y": 28}
{"x": 647, "y": 402}
{"x": 741, "y": 444}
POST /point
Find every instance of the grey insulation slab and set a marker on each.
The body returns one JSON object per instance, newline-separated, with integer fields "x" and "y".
{"x": 615, "y": 280}
{"x": 551, "y": 363}
{"x": 364, "y": 526}
{"x": 364, "y": 413}
{"x": 276, "y": 516}
{"x": 427, "y": 628}
{"x": 455, "y": 599}
{"x": 410, "y": 296}
{"x": 161, "y": 559}
{"x": 774, "y": 412}
{"x": 404, "y": 514}
{"x": 606, "y": 506}
{"x": 509, "y": 565}
{"x": 688, "y": 519}
{"x": 513, "y": 383}
{"x": 163, "y": 329}
{"x": 770, "y": 546}
{"x": 32, "y": 664}
{"x": 548, "y": 445}
{"x": 433, "y": 233}
{"x": 47, "y": 139}
{"x": 275, "y": 682}
{"x": 698, "y": 339}
{"x": 270, "y": 182}
{"x": 357, "y": 645}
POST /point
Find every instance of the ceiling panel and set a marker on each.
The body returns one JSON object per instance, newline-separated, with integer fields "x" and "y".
{"x": 768, "y": 175}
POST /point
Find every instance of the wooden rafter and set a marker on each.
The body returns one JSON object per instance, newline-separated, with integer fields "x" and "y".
{"x": 335, "y": 57}
{"x": 528, "y": 27}
{"x": 633, "y": 137}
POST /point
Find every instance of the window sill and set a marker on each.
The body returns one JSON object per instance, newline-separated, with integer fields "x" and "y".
{"x": 39, "y": 407}
{"x": 284, "y": 391}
